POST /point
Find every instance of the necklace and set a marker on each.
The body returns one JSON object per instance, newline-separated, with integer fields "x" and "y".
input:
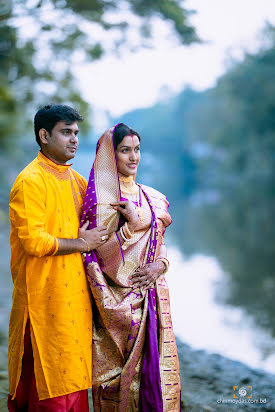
{"x": 127, "y": 179}
{"x": 127, "y": 185}
{"x": 134, "y": 190}
{"x": 130, "y": 190}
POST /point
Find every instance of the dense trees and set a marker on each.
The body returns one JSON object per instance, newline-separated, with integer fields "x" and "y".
{"x": 238, "y": 124}
{"x": 42, "y": 40}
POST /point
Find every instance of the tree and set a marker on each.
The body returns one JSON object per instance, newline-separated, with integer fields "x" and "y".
{"x": 41, "y": 40}
{"x": 236, "y": 179}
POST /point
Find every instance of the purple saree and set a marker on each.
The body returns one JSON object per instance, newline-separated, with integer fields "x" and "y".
{"x": 135, "y": 361}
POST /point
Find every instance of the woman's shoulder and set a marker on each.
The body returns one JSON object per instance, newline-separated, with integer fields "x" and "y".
{"x": 153, "y": 193}
{"x": 160, "y": 204}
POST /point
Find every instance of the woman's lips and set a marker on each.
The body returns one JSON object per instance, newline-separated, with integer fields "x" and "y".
{"x": 132, "y": 165}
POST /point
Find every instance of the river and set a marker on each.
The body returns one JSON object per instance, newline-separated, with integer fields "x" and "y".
{"x": 204, "y": 323}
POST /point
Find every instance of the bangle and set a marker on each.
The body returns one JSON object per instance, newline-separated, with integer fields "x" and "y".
{"x": 165, "y": 261}
{"x": 87, "y": 244}
{"x": 122, "y": 235}
{"x": 128, "y": 232}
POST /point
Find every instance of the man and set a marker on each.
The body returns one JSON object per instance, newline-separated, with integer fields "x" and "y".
{"x": 51, "y": 317}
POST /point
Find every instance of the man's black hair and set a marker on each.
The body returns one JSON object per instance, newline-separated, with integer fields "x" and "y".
{"x": 48, "y": 116}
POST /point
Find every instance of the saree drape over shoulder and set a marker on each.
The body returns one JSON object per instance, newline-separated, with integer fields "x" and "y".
{"x": 135, "y": 360}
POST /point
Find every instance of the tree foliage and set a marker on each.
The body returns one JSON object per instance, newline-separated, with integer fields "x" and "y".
{"x": 238, "y": 125}
{"x": 42, "y": 40}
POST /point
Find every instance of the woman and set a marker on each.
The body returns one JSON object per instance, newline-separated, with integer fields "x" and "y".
{"x": 135, "y": 361}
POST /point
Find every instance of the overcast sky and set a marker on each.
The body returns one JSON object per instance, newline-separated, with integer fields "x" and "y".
{"x": 228, "y": 27}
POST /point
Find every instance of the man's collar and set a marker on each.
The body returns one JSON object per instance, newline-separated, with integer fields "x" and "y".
{"x": 51, "y": 163}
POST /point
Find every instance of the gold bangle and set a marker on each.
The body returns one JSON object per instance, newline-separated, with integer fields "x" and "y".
{"x": 127, "y": 230}
{"x": 165, "y": 261}
{"x": 123, "y": 234}
{"x": 87, "y": 244}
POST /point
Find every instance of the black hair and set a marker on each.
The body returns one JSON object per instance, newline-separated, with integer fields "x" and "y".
{"x": 48, "y": 116}
{"x": 122, "y": 130}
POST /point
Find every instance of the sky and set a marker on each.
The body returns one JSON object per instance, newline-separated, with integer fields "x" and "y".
{"x": 116, "y": 85}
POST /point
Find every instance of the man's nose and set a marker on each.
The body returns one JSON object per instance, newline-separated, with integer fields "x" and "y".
{"x": 74, "y": 138}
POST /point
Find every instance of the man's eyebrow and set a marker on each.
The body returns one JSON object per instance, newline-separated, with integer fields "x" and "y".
{"x": 69, "y": 129}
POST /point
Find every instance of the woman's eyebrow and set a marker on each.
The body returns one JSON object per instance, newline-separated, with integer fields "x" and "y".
{"x": 128, "y": 147}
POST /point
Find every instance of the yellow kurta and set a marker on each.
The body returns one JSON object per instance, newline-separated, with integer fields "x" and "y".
{"x": 45, "y": 204}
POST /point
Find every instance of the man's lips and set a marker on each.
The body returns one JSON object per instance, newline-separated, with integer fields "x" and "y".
{"x": 72, "y": 147}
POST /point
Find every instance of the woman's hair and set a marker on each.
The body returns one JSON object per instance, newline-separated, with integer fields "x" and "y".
{"x": 122, "y": 130}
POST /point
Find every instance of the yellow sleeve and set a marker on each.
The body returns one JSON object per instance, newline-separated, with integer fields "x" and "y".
{"x": 84, "y": 183}
{"x": 81, "y": 183}
{"x": 28, "y": 215}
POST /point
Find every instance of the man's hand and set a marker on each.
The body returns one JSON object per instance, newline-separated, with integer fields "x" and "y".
{"x": 90, "y": 239}
{"x": 147, "y": 276}
{"x": 94, "y": 237}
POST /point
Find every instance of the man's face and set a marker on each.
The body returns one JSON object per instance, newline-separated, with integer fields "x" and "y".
{"x": 61, "y": 145}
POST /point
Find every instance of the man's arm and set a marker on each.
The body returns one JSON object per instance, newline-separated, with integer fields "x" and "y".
{"x": 87, "y": 240}
{"x": 28, "y": 214}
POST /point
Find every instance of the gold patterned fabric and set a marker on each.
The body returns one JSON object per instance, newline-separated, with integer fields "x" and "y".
{"x": 120, "y": 313}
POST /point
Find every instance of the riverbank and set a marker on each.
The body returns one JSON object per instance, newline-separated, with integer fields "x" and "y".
{"x": 206, "y": 380}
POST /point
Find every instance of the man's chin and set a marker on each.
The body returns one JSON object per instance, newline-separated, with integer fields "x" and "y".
{"x": 71, "y": 156}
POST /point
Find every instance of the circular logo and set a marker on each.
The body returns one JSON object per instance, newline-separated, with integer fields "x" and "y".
{"x": 242, "y": 392}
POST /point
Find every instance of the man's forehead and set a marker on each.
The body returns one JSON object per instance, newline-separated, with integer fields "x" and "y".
{"x": 67, "y": 124}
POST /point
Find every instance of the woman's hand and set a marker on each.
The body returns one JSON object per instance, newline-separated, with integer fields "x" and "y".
{"x": 128, "y": 210}
{"x": 147, "y": 276}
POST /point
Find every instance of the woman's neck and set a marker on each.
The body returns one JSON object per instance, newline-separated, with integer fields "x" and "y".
{"x": 127, "y": 184}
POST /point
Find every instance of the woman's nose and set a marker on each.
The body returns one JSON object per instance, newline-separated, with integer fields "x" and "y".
{"x": 133, "y": 155}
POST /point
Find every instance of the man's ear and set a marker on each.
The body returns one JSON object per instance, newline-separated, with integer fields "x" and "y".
{"x": 43, "y": 134}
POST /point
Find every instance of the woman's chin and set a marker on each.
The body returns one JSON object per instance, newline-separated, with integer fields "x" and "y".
{"x": 128, "y": 172}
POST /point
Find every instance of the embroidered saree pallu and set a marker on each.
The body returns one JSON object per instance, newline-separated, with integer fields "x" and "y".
{"x": 135, "y": 361}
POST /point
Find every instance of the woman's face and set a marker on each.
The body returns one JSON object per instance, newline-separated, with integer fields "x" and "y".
{"x": 128, "y": 155}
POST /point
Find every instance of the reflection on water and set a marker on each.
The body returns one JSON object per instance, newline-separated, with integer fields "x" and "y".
{"x": 204, "y": 324}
